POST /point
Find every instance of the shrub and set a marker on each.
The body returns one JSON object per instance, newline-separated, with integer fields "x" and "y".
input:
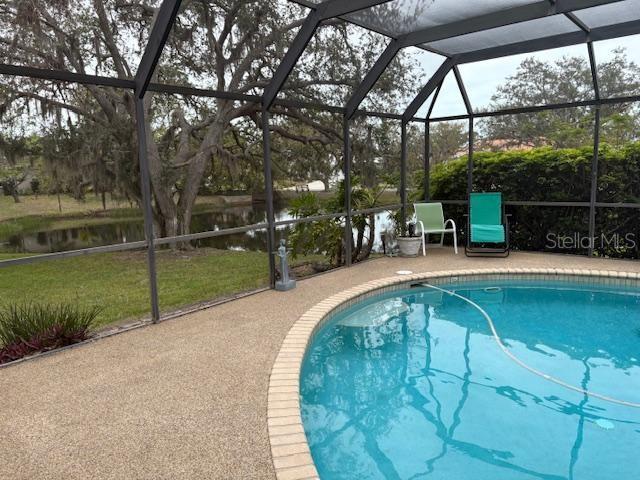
{"x": 545, "y": 174}
{"x": 326, "y": 237}
{"x": 30, "y": 328}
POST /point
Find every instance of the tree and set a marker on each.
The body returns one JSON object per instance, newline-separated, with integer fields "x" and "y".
{"x": 15, "y": 151}
{"x": 10, "y": 187}
{"x": 448, "y": 139}
{"x": 568, "y": 79}
{"x": 35, "y": 186}
{"x": 228, "y": 45}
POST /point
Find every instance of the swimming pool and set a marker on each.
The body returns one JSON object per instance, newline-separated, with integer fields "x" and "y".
{"x": 414, "y": 384}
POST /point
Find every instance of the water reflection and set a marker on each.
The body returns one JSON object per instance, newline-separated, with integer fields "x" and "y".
{"x": 133, "y": 230}
{"x": 427, "y": 394}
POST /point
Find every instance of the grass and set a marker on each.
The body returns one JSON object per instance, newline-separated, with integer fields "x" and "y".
{"x": 118, "y": 283}
{"x": 47, "y": 206}
{"x": 37, "y": 214}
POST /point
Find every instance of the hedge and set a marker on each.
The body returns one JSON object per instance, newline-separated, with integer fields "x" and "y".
{"x": 549, "y": 175}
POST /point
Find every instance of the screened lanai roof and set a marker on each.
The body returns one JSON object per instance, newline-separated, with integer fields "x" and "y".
{"x": 464, "y": 32}
{"x": 518, "y": 20}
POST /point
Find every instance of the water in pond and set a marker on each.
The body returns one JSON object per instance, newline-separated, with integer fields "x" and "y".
{"x": 75, "y": 238}
{"x": 412, "y": 385}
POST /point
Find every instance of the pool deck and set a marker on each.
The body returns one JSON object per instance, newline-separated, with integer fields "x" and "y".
{"x": 186, "y": 398}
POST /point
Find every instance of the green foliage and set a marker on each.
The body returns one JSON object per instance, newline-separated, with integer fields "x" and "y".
{"x": 9, "y": 186}
{"x": 541, "y": 174}
{"x": 35, "y": 185}
{"x": 566, "y": 80}
{"x": 400, "y": 228}
{"x": 17, "y": 226}
{"x": 323, "y": 237}
{"x": 446, "y": 140}
{"x": 549, "y": 175}
{"x": 30, "y": 327}
{"x": 326, "y": 237}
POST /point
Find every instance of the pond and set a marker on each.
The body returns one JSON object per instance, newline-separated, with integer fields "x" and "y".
{"x": 87, "y": 236}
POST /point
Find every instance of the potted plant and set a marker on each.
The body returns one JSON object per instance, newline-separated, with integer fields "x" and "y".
{"x": 409, "y": 242}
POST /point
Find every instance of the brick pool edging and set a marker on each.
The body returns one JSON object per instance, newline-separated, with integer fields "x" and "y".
{"x": 289, "y": 448}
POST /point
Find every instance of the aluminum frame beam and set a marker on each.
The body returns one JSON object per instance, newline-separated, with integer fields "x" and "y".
{"x": 554, "y": 41}
{"x": 479, "y": 23}
{"x": 593, "y": 197}
{"x": 463, "y": 90}
{"x": 65, "y": 76}
{"x": 165, "y": 18}
{"x": 346, "y": 168}
{"x": 577, "y": 22}
{"x": 433, "y": 83}
{"x": 403, "y": 171}
{"x": 145, "y": 187}
{"x": 372, "y": 77}
{"x": 433, "y": 101}
{"x": 268, "y": 190}
{"x": 594, "y": 70}
{"x": 540, "y": 108}
{"x": 470, "y": 157}
{"x": 164, "y": 21}
{"x": 502, "y": 18}
{"x": 324, "y": 11}
{"x": 426, "y": 186}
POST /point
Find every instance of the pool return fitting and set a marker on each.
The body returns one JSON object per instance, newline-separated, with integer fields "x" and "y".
{"x": 515, "y": 359}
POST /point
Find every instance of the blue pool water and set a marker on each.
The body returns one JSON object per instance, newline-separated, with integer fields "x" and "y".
{"x": 413, "y": 385}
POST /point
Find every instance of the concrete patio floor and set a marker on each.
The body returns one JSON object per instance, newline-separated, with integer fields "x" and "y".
{"x": 185, "y": 398}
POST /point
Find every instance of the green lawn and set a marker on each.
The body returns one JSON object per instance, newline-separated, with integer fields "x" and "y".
{"x": 118, "y": 281}
{"x": 36, "y": 214}
{"x": 47, "y": 205}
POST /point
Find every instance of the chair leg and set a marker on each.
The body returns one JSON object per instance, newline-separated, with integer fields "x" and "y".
{"x": 455, "y": 241}
{"x": 424, "y": 237}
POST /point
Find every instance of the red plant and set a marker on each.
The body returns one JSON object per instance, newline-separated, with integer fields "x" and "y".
{"x": 55, "y": 337}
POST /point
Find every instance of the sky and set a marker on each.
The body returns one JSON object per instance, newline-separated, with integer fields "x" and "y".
{"x": 481, "y": 79}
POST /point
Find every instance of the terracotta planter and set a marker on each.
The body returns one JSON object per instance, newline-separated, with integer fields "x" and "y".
{"x": 409, "y": 246}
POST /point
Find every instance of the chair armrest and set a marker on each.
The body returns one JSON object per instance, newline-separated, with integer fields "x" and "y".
{"x": 449, "y": 220}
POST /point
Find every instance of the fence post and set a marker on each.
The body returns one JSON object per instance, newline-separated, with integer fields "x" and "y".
{"x": 427, "y": 161}
{"x": 348, "y": 234}
{"x": 470, "y": 159}
{"x": 403, "y": 171}
{"x": 145, "y": 186}
{"x": 594, "y": 182}
{"x": 268, "y": 191}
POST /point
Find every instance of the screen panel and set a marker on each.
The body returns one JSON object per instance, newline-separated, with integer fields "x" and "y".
{"x": 400, "y": 17}
{"x": 416, "y": 67}
{"x": 559, "y": 75}
{"x": 496, "y": 37}
{"x": 610, "y": 14}
{"x": 104, "y": 37}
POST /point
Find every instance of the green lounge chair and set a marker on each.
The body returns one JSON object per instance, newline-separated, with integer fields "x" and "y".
{"x": 430, "y": 219}
{"x": 487, "y": 225}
